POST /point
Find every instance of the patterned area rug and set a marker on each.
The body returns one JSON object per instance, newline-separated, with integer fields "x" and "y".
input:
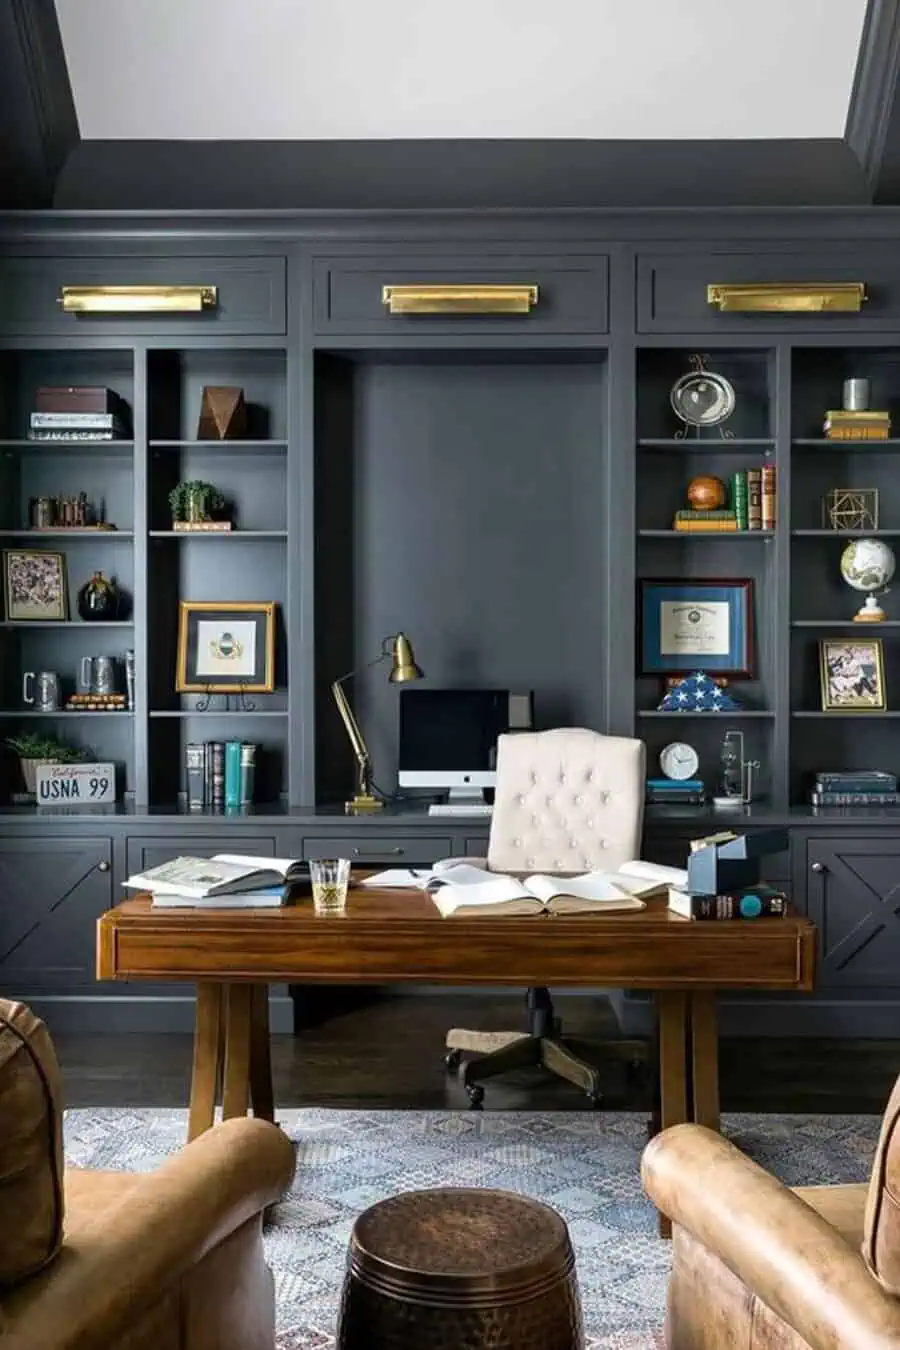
{"x": 585, "y": 1164}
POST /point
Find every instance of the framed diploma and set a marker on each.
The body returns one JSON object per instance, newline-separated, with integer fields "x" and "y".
{"x": 696, "y": 625}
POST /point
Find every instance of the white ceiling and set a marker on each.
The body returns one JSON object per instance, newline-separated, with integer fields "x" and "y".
{"x": 358, "y": 69}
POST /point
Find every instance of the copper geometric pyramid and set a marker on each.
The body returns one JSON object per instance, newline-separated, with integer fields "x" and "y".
{"x": 223, "y": 414}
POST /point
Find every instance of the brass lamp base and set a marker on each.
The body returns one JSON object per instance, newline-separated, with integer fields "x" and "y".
{"x": 363, "y": 804}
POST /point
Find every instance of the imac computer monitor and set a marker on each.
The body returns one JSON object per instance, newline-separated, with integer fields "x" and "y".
{"x": 448, "y": 737}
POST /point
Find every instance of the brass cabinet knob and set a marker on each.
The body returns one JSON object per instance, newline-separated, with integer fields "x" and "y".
{"x": 817, "y": 867}
{"x": 103, "y": 866}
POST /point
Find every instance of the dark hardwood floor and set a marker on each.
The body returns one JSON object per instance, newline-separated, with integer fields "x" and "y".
{"x": 387, "y": 1051}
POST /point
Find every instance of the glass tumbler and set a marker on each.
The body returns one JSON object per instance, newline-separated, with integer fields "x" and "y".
{"x": 330, "y": 879}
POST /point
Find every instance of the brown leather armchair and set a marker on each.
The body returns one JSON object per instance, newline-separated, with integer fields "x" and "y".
{"x": 758, "y": 1266}
{"x": 90, "y": 1260}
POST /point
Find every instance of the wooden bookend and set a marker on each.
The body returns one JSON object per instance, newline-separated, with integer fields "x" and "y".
{"x": 223, "y": 414}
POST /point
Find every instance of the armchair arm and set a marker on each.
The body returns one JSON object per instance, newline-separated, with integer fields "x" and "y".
{"x": 782, "y": 1250}
{"x": 126, "y": 1258}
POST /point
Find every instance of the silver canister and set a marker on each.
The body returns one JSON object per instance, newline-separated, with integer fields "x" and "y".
{"x": 129, "y": 680}
{"x": 856, "y": 395}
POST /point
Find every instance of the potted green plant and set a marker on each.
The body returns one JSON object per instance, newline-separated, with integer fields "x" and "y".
{"x": 193, "y": 500}
{"x": 34, "y": 749}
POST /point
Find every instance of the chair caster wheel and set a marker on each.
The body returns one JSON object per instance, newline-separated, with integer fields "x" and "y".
{"x": 475, "y": 1093}
{"x": 452, "y": 1060}
{"x": 595, "y": 1100}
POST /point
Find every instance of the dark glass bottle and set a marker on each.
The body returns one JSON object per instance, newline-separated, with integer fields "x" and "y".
{"x": 98, "y": 598}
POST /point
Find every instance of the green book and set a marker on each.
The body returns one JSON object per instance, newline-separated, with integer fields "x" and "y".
{"x": 739, "y": 498}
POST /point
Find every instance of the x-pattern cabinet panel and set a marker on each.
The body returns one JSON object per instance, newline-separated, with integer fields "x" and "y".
{"x": 853, "y": 897}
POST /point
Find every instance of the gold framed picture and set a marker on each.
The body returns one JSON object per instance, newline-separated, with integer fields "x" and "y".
{"x": 35, "y": 585}
{"x": 852, "y": 675}
{"x": 225, "y": 647}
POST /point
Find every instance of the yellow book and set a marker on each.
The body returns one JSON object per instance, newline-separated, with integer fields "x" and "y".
{"x": 705, "y": 526}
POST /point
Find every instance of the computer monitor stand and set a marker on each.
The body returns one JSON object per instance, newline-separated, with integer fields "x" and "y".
{"x": 462, "y": 801}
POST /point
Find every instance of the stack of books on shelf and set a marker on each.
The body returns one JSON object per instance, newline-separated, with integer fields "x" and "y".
{"x": 751, "y": 506}
{"x": 844, "y": 424}
{"x": 70, "y": 413}
{"x": 219, "y": 774}
{"x": 672, "y": 792}
{"x": 224, "y": 881}
{"x": 855, "y": 787}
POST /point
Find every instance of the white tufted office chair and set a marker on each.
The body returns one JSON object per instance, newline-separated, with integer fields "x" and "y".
{"x": 566, "y": 801}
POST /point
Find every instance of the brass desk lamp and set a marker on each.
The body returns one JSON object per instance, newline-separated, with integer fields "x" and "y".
{"x": 403, "y": 669}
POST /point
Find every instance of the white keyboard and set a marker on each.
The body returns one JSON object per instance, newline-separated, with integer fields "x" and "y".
{"x": 460, "y": 809}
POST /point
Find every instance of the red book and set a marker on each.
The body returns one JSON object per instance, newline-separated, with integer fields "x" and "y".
{"x": 767, "y": 497}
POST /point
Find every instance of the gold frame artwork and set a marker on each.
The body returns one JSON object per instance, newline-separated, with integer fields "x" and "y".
{"x": 851, "y": 702}
{"x": 188, "y": 609}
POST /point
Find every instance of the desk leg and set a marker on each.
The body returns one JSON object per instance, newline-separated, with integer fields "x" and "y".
{"x": 236, "y": 1079}
{"x": 208, "y": 1027}
{"x": 672, "y": 1017}
{"x": 262, "y": 1094}
{"x": 705, "y": 1059}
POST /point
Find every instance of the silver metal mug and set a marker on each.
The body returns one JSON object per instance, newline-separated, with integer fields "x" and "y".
{"x": 42, "y": 689}
{"x": 98, "y": 675}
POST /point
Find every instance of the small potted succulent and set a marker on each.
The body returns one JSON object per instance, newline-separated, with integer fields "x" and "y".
{"x": 35, "y": 749}
{"x": 195, "y": 501}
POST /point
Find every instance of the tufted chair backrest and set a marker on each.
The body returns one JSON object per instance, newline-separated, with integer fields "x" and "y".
{"x": 566, "y": 801}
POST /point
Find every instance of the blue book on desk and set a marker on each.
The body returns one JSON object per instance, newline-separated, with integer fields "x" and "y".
{"x": 270, "y": 897}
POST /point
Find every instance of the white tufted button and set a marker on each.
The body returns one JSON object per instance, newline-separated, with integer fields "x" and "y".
{"x": 590, "y": 824}
{"x": 604, "y": 796}
{"x": 604, "y": 843}
{"x": 573, "y": 844}
{"x": 529, "y": 862}
{"x": 520, "y": 798}
{"x": 579, "y": 800}
{"x": 560, "y": 862}
{"x": 517, "y": 843}
{"x": 534, "y": 820}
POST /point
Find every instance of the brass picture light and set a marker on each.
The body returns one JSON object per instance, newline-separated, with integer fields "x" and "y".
{"x": 403, "y": 669}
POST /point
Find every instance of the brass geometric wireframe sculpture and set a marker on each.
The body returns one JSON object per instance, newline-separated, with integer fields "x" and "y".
{"x": 850, "y": 509}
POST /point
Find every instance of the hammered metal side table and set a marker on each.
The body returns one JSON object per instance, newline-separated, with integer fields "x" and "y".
{"x": 460, "y": 1269}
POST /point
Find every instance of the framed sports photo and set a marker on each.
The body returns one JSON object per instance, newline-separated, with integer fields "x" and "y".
{"x": 225, "y": 648}
{"x": 687, "y": 626}
{"x": 35, "y": 585}
{"x": 852, "y": 675}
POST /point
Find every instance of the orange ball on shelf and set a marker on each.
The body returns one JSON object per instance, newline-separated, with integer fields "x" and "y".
{"x": 706, "y": 493}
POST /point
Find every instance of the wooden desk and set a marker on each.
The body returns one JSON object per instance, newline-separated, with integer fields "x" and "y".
{"x": 395, "y": 937}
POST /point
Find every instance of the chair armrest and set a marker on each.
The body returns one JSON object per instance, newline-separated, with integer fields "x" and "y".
{"x": 136, "y": 1250}
{"x": 777, "y": 1245}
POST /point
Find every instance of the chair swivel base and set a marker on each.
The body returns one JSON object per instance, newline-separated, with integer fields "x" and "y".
{"x": 527, "y": 1052}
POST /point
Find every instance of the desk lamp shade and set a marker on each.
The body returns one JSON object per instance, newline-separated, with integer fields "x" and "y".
{"x": 403, "y": 662}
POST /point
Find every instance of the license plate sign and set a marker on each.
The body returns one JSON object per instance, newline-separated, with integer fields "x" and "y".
{"x": 75, "y": 784}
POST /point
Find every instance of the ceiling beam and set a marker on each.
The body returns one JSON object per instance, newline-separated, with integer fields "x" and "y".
{"x": 38, "y": 123}
{"x": 873, "y": 118}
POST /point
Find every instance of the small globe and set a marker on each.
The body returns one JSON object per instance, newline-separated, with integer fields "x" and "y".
{"x": 706, "y": 493}
{"x": 867, "y": 564}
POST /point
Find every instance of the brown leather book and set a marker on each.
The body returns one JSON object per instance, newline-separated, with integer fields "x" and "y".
{"x": 75, "y": 398}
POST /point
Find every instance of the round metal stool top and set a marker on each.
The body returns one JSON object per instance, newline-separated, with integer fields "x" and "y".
{"x": 466, "y": 1244}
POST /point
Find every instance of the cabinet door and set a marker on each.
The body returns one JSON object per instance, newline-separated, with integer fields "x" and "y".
{"x": 52, "y": 891}
{"x": 853, "y": 896}
{"x": 144, "y": 853}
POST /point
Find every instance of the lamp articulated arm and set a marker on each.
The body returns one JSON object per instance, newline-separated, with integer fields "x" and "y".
{"x": 360, "y": 749}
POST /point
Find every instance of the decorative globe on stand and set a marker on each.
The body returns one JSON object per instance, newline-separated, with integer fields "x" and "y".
{"x": 868, "y": 565}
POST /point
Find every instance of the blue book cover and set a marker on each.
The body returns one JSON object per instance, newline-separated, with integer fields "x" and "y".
{"x": 232, "y": 773}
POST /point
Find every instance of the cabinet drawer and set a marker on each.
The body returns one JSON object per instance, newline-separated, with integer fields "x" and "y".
{"x": 150, "y": 852}
{"x": 572, "y": 294}
{"x": 671, "y": 294}
{"x": 407, "y": 849}
{"x": 250, "y": 295}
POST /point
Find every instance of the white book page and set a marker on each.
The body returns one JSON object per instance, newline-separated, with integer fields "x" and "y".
{"x": 589, "y": 886}
{"x": 256, "y": 864}
{"x": 648, "y": 871}
{"x": 493, "y": 892}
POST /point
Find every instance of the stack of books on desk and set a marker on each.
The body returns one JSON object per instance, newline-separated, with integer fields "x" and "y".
{"x": 754, "y": 902}
{"x": 855, "y": 787}
{"x": 225, "y": 881}
{"x": 672, "y": 792}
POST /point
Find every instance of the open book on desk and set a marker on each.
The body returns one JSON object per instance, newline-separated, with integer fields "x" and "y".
{"x": 223, "y": 874}
{"x": 461, "y": 888}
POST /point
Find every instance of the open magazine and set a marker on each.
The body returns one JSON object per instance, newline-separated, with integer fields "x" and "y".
{"x": 460, "y": 888}
{"x": 223, "y": 874}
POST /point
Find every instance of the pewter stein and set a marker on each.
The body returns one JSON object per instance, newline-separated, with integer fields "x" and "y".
{"x": 97, "y": 675}
{"x": 42, "y": 689}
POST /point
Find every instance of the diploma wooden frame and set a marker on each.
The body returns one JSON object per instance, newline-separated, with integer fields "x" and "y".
{"x": 689, "y": 625}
